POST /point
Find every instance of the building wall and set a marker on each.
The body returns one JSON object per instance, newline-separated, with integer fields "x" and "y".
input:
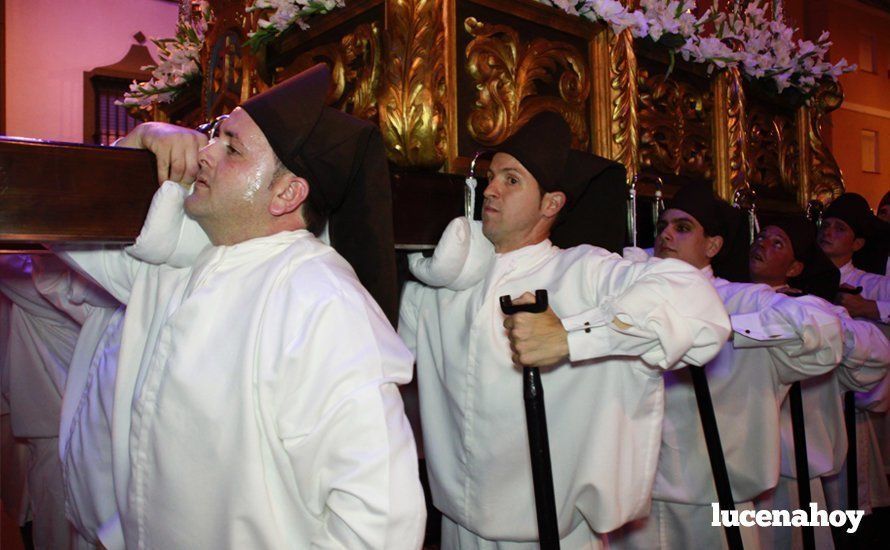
{"x": 51, "y": 43}
{"x": 867, "y": 95}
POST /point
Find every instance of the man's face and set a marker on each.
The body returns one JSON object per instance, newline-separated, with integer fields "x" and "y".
{"x": 771, "y": 258}
{"x": 884, "y": 212}
{"x": 232, "y": 188}
{"x": 837, "y": 239}
{"x": 512, "y": 210}
{"x": 682, "y": 237}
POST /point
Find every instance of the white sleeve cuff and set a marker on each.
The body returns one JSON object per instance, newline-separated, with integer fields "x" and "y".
{"x": 883, "y": 311}
{"x": 588, "y": 335}
{"x": 749, "y": 331}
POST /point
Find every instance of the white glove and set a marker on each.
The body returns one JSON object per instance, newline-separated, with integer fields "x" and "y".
{"x": 462, "y": 257}
{"x": 169, "y": 236}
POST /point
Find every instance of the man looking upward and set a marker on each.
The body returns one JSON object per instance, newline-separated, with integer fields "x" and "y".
{"x": 786, "y": 257}
{"x": 243, "y": 418}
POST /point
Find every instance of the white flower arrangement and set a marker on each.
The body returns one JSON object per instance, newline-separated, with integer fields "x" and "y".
{"x": 179, "y": 65}
{"x": 771, "y": 53}
{"x": 284, "y": 14}
{"x": 674, "y": 18}
{"x": 612, "y": 12}
{"x": 767, "y": 51}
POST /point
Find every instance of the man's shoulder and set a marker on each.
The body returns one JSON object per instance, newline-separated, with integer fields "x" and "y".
{"x": 728, "y": 289}
{"x": 584, "y": 252}
{"x": 313, "y": 271}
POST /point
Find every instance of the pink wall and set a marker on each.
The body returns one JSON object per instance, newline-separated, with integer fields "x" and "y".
{"x": 51, "y": 43}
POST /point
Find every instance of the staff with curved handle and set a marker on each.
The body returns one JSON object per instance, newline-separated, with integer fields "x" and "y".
{"x": 538, "y": 442}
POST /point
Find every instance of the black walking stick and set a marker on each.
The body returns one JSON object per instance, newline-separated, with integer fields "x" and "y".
{"x": 852, "y": 461}
{"x": 538, "y": 443}
{"x": 715, "y": 452}
{"x": 801, "y": 462}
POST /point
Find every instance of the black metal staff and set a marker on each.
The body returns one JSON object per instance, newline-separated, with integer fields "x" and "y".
{"x": 715, "y": 452}
{"x": 798, "y": 431}
{"x": 538, "y": 442}
{"x": 852, "y": 460}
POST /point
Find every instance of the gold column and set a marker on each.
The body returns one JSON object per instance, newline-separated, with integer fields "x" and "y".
{"x": 412, "y": 110}
{"x": 624, "y": 123}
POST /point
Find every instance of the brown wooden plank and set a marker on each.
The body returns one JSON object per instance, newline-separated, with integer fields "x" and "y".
{"x": 51, "y": 191}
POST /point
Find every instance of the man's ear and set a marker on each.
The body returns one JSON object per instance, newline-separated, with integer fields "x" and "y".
{"x": 858, "y": 243}
{"x": 288, "y": 193}
{"x": 552, "y": 202}
{"x": 795, "y": 269}
{"x": 713, "y": 245}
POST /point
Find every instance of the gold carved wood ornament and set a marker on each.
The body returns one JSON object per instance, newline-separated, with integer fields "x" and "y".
{"x": 510, "y": 75}
{"x": 412, "y": 110}
{"x": 675, "y": 124}
{"x": 230, "y": 75}
{"x": 773, "y": 147}
{"x": 625, "y": 123}
{"x": 356, "y": 67}
{"x": 824, "y": 180}
{"x": 736, "y": 130}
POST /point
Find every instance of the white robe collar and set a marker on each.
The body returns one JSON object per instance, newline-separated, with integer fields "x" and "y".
{"x": 252, "y": 249}
{"x": 526, "y": 254}
{"x": 708, "y": 272}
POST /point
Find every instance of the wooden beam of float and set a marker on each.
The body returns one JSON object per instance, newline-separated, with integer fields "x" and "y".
{"x": 51, "y": 192}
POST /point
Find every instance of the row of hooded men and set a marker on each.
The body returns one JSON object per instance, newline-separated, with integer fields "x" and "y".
{"x": 224, "y": 408}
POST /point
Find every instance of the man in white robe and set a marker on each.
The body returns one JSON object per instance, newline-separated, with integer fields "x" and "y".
{"x": 13, "y": 452}
{"x": 777, "y": 340}
{"x": 786, "y": 257}
{"x": 85, "y": 425}
{"x": 256, "y": 402}
{"x": 627, "y": 323}
{"x": 847, "y": 225}
{"x": 847, "y": 228}
{"x": 34, "y": 367}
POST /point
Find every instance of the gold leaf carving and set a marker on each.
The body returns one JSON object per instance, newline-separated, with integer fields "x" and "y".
{"x": 230, "y": 74}
{"x": 773, "y": 147}
{"x": 412, "y": 110}
{"x": 675, "y": 135}
{"x": 355, "y": 62}
{"x": 737, "y": 133}
{"x": 227, "y": 70}
{"x": 825, "y": 181}
{"x": 625, "y": 124}
{"x": 510, "y": 75}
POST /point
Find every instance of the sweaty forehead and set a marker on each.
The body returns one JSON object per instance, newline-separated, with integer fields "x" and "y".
{"x": 239, "y": 126}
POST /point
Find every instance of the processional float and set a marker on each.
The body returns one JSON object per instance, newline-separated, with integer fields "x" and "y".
{"x": 444, "y": 79}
